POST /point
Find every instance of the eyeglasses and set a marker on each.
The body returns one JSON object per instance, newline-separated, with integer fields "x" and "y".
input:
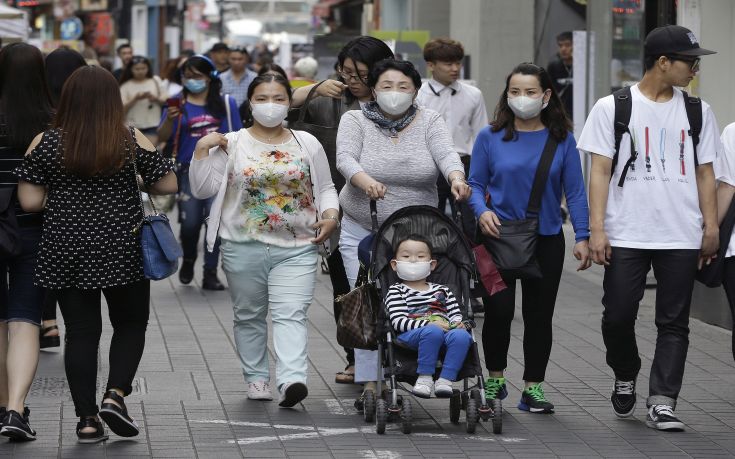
{"x": 139, "y": 60}
{"x": 362, "y": 78}
{"x": 693, "y": 63}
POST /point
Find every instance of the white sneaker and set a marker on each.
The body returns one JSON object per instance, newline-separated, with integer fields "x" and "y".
{"x": 259, "y": 390}
{"x": 443, "y": 388}
{"x": 423, "y": 387}
{"x": 292, "y": 393}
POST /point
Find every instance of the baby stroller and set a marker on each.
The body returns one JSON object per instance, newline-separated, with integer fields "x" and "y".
{"x": 455, "y": 269}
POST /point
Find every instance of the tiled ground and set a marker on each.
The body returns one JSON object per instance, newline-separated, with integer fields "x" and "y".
{"x": 189, "y": 396}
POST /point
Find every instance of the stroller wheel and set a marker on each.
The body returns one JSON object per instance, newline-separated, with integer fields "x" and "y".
{"x": 406, "y": 416}
{"x": 455, "y": 406}
{"x": 368, "y": 412}
{"x": 497, "y": 406}
{"x": 381, "y": 416}
{"x": 471, "y": 415}
{"x": 497, "y": 425}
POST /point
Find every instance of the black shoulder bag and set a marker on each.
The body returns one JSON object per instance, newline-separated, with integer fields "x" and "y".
{"x": 514, "y": 252}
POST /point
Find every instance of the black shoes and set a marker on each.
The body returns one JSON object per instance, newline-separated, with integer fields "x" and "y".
{"x": 661, "y": 417}
{"x": 210, "y": 281}
{"x": 49, "y": 341}
{"x": 623, "y": 398}
{"x": 186, "y": 272}
{"x": 16, "y": 426}
{"x": 91, "y": 437}
{"x": 116, "y": 416}
{"x": 292, "y": 393}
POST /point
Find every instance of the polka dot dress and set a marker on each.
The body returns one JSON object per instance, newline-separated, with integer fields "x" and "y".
{"x": 87, "y": 240}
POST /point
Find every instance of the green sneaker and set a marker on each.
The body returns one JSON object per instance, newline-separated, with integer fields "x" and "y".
{"x": 495, "y": 388}
{"x": 534, "y": 400}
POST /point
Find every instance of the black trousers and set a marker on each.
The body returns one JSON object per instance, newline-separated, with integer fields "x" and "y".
{"x": 49, "y": 305}
{"x": 539, "y": 299}
{"x": 129, "y": 308}
{"x": 729, "y": 284}
{"x": 624, "y": 284}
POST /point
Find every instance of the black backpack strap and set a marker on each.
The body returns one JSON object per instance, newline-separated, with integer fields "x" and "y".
{"x": 623, "y": 108}
{"x": 542, "y": 175}
{"x": 693, "y": 107}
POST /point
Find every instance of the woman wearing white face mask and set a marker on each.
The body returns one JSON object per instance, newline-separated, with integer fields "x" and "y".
{"x": 392, "y": 151}
{"x": 504, "y": 162}
{"x": 273, "y": 193}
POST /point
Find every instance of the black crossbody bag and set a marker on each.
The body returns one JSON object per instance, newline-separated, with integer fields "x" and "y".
{"x": 514, "y": 253}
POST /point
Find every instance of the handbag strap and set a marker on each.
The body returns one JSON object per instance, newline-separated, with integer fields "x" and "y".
{"x": 229, "y": 115}
{"x": 542, "y": 175}
{"x": 135, "y": 177}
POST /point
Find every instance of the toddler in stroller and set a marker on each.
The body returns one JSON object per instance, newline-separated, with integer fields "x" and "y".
{"x": 426, "y": 308}
{"x": 426, "y": 317}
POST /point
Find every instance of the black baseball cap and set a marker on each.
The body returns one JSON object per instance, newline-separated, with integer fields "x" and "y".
{"x": 673, "y": 40}
{"x": 219, "y": 47}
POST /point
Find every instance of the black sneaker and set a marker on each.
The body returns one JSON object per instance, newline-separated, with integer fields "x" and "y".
{"x": 623, "y": 398}
{"x": 16, "y": 426}
{"x": 292, "y": 393}
{"x": 186, "y": 272}
{"x": 534, "y": 400}
{"x": 661, "y": 417}
{"x": 210, "y": 281}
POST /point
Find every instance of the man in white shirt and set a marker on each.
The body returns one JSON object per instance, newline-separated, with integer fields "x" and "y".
{"x": 654, "y": 208}
{"x": 461, "y": 106}
{"x": 237, "y": 79}
{"x": 725, "y": 173}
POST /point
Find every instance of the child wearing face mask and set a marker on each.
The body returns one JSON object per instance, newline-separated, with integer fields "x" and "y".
{"x": 426, "y": 317}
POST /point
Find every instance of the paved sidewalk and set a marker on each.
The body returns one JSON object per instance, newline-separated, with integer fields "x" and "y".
{"x": 190, "y": 400}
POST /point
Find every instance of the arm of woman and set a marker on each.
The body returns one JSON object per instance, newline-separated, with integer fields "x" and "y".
{"x": 328, "y": 203}
{"x": 441, "y": 147}
{"x": 166, "y": 128}
{"x": 156, "y": 171}
{"x": 128, "y": 99}
{"x": 330, "y": 88}
{"x": 208, "y": 166}
{"x": 31, "y": 184}
{"x": 479, "y": 181}
{"x": 573, "y": 186}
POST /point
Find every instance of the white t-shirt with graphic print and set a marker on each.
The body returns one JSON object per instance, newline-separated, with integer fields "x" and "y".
{"x": 725, "y": 169}
{"x": 658, "y": 206}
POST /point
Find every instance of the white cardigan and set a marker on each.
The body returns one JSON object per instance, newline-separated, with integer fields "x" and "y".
{"x": 208, "y": 177}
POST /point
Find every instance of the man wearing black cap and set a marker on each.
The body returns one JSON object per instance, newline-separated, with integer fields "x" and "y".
{"x": 220, "y": 54}
{"x": 652, "y": 203}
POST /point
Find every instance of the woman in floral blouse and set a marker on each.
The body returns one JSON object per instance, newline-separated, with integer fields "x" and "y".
{"x": 275, "y": 202}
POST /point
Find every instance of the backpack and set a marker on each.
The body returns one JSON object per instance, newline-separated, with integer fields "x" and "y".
{"x": 623, "y": 108}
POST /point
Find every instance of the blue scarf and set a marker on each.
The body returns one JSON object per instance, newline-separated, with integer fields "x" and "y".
{"x": 373, "y": 113}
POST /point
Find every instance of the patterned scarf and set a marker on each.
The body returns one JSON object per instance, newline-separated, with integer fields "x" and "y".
{"x": 373, "y": 113}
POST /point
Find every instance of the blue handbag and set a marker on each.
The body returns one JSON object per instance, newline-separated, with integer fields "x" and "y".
{"x": 160, "y": 249}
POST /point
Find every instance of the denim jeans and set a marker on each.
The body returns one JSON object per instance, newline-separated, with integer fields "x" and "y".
{"x": 193, "y": 213}
{"x": 623, "y": 285}
{"x": 366, "y": 361}
{"x": 430, "y": 340}
{"x": 264, "y": 278}
{"x": 20, "y": 299}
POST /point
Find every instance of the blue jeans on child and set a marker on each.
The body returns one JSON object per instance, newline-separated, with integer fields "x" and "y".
{"x": 430, "y": 340}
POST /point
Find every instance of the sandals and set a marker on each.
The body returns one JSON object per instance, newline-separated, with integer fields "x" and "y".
{"x": 49, "y": 341}
{"x": 91, "y": 437}
{"x": 346, "y": 376}
{"x": 116, "y": 416}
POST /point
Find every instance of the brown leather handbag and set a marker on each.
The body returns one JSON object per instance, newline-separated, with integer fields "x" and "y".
{"x": 357, "y": 325}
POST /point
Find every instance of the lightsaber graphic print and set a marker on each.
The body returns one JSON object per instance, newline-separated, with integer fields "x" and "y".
{"x": 681, "y": 153}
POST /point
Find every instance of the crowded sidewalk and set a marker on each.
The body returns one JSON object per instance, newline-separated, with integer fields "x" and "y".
{"x": 190, "y": 399}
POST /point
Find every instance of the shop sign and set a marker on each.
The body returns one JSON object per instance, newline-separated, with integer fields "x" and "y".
{"x": 71, "y": 28}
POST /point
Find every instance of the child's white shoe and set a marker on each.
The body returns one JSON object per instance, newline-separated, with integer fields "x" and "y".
{"x": 423, "y": 387}
{"x": 443, "y": 388}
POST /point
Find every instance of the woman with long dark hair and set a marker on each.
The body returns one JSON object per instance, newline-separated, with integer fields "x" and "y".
{"x": 201, "y": 110}
{"x": 142, "y": 96}
{"x": 504, "y": 162}
{"x": 60, "y": 64}
{"x": 25, "y": 110}
{"x": 83, "y": 172}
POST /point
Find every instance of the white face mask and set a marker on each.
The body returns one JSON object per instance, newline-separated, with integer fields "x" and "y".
{"x": 413, "y": 271}
{"x": 269, "y": 114}
{"x": 394, "y": 102}
{"x": 525, "y": 107}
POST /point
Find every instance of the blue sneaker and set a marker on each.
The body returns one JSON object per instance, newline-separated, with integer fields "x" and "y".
{"x": 534, "y": 400}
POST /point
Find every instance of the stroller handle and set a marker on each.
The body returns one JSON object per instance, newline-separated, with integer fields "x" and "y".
{"x": 374, "y": 214}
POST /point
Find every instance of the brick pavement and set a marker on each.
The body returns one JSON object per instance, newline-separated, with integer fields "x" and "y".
{"x": 189, "y": 396}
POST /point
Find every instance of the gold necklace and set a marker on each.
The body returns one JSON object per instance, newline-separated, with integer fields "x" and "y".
{"x": 269, "y": 139}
